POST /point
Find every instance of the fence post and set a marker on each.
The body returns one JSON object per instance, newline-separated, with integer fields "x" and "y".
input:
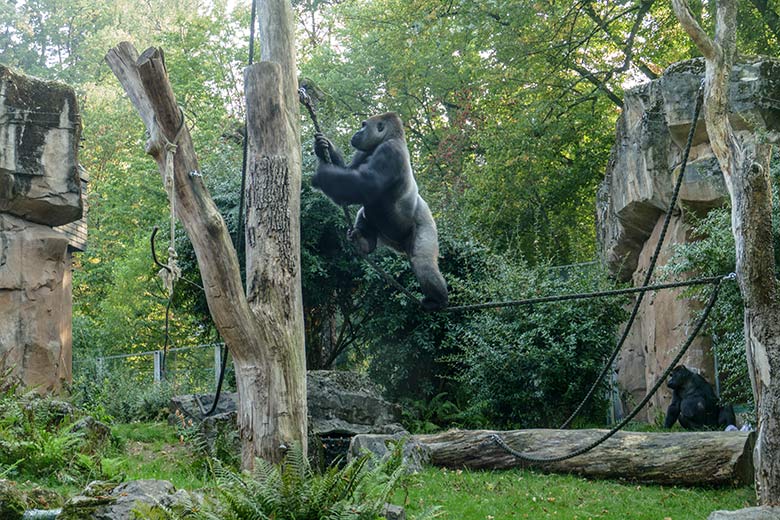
{"x": 217, "y": 362}
{"x": 157, "y": 366}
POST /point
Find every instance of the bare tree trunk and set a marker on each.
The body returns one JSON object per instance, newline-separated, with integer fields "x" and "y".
{"x": 689, "y": 458}
{"x": 263, "y": 331}
{"x": 744, "y": 160}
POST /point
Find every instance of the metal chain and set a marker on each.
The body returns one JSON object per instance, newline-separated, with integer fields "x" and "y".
{"x": 700, "y": 323}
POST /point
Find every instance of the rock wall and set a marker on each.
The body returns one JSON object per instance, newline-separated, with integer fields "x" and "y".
{"x": 39, "y": 189}
{"x": 644, "y": 164}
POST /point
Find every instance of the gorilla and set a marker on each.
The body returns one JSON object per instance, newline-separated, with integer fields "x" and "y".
{"x": 694, "y": 402}
{"x": 380, "y": 179}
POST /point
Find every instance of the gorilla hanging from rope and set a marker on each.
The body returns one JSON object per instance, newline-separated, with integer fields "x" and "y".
{"x": 380, "y": 179}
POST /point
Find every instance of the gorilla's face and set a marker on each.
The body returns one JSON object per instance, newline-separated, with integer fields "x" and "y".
{"x": 371, "y": 134}
{"x": 678, "y": 377}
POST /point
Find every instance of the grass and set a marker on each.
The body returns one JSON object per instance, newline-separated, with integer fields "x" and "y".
{"x": 155, "y": 451}
{"x": 520, "y": 494}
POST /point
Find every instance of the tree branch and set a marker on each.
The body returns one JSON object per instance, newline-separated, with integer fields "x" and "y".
{"x": 703, "y": 42}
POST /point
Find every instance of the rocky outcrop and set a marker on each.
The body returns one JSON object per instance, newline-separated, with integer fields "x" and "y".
{"x": 35, "y": 304}
{"x": 39, "y": 137}
{"x": 341, "y": 405}
{"x": 652, "y": 133}
{"x": 39, "y": 188}
{"x": 103, "y": 501}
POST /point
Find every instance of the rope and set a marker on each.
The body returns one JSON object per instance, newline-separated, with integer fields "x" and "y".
{"x": 651, "y": 267}
{"x": 170, "y": 272}
{"x": 584, "y": 296}
{"x": 700, "y": 323}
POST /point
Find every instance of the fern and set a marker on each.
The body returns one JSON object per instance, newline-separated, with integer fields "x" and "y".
{"x": 292, "y": 491}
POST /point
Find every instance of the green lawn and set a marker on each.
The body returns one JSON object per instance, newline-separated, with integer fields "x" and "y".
{"x": 498, "y": 495}
{"x": 155, "y": 450}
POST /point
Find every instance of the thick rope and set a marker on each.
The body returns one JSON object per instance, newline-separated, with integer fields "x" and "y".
{"x": 650, "y": 268}
{"x": 700, "y": 323}
{"x": 170, "y": 272}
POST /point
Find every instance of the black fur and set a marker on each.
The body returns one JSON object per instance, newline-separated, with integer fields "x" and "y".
{"x": 393, "y": 213}
{"x": 694, "y": 402}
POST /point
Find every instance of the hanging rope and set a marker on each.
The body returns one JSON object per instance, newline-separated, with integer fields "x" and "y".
{"x": 171, "y": 272}
{"x": 699, "y": 324}
{"x": 651, "y": 266}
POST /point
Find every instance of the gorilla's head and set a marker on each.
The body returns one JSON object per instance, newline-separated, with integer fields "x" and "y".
{"x": 678, "y": 377}
{"x": 376, "y": 130}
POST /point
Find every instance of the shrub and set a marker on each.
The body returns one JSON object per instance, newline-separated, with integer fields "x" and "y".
{"x": 292, "y": 491}
{"x": 40, "y": 437}
{"x": 531, "y": 366}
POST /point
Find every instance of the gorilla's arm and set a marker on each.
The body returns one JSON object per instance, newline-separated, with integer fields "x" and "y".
{"x": 374, "y": 175}
{"x": 673, "y": 412}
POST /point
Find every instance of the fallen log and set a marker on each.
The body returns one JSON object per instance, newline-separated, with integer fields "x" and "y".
{"x": 683, "y": 458}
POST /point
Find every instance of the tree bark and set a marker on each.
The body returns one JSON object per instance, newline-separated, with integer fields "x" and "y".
{"x": 264, "y": 334}
{"x": 743, "y": 157}
{"x": 689, "y": 458}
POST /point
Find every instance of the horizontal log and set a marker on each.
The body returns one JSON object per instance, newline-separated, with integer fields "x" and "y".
{"x": 683, "y": 458}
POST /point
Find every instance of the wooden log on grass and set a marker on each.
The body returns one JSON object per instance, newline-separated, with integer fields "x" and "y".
{"x": 684, "y": 458}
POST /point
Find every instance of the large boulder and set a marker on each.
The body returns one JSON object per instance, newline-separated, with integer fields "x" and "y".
{"x": 35, "y": 306}
{"x": 340, "y": 403}
{"x": 750, "y": 513}
{"x": 415, "y": 454}
{"x": 39, "y": 137}
{"x": 103, "y": 503}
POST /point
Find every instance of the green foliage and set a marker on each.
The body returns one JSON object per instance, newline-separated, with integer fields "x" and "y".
{"x": 531, "y": 366}
{"x": 292, "y": 491}
{"x": 37, "y": 440}
{"x": 122, "y": 395}
{"x": 712, "y": 253}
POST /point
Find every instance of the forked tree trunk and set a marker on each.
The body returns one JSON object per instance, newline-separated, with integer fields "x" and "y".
{"x": 744, "y": 160}
{"x": 263, "y": 331}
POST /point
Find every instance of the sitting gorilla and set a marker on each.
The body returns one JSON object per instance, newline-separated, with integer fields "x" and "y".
{"x": 694, "y": 402}
{"x": 380, "y": 179}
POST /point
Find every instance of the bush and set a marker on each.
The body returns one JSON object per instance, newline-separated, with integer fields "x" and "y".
{"x": 40, "y": 437}
{"x": 712, "y": 253}
{"x": 531, "y": 366}
{"x": 292, "y": 491}
{"x": 121, "y": 395}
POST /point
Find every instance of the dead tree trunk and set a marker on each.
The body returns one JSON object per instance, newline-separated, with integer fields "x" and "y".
{"x": 688, "y": 458}
{"x": 743, "y": 156}
{"x": 264, "y": 331}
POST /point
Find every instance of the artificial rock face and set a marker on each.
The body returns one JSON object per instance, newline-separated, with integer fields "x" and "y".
{"x": 644, "y": 165}
{"x": 39, "y": 137}
{"x": 39, "y": 188}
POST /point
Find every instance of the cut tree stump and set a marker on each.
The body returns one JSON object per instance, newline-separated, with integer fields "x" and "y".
{"x": 684, "y": 458}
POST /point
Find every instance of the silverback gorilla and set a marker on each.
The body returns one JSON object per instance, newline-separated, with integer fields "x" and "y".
{"x": 380, "y": 179}
{"x": 694, "y": 402}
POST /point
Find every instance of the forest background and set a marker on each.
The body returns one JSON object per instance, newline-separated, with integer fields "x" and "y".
{"x": 510, "y": 110}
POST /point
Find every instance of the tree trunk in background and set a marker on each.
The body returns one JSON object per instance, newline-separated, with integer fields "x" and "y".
{"x": 263, "y": 331}
{"x": 744, "y": 156}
